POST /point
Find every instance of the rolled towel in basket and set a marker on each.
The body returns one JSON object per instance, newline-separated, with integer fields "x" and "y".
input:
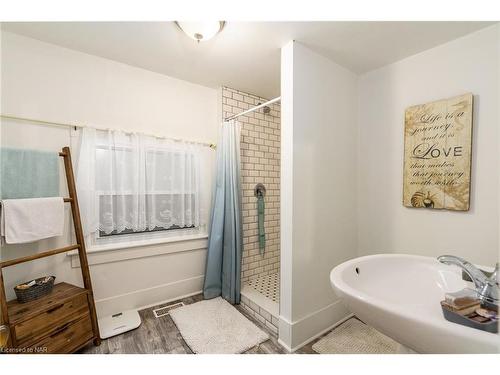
{"x": 33, "y": 219}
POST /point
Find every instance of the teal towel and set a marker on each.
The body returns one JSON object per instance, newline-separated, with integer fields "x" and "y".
{"x": 28, "y": 174}
{"x": 262, "y": 233}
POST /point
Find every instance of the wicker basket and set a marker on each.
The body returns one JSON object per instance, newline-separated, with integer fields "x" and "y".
{"x": 37, "y": 290}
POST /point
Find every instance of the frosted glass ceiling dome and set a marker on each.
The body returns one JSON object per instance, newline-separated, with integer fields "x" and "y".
{"x": 201, "y": 31}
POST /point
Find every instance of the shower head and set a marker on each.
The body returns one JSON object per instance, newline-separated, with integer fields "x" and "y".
{"x": 266, "y": 110}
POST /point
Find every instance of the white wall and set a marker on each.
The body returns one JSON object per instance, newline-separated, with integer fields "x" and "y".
{"x": 318, "y": 218}
{"x": 47, "y": 82}
{"x": 468, "y": 64}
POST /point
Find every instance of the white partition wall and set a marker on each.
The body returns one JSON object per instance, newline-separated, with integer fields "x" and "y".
{"x": 318, "y": 217}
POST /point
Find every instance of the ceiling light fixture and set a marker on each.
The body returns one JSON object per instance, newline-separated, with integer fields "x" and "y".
{"x": 201, "y": 31}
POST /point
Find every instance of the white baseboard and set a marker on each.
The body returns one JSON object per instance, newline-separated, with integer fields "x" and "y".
{"x": 148, "y": 297}
{"x": 287, "y": 348}
{"x": 310, "y": 327}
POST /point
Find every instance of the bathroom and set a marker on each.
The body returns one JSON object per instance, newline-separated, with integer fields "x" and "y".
{"x": 253, "y": 192}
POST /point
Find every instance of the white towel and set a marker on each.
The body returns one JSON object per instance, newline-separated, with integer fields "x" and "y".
{"x": 29, "y": 220}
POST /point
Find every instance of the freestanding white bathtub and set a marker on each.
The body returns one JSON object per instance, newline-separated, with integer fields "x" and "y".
{"x": 399, "y": 295}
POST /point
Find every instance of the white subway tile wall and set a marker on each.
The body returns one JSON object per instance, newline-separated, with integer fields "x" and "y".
{"x": 260, "y": 162}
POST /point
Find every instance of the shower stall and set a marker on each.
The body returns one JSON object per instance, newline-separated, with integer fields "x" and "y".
{"x": 260, "y": 121}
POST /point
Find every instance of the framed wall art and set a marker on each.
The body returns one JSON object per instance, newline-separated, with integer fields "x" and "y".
{"x": 437, "y": 157}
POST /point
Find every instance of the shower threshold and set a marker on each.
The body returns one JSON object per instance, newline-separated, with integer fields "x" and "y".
{"x": 260, "y": 299}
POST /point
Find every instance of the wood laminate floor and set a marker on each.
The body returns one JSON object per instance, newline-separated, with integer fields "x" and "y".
{"x": 161, "y": 336}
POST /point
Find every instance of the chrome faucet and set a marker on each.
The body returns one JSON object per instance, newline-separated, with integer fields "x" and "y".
{"x": 486, "y": 286}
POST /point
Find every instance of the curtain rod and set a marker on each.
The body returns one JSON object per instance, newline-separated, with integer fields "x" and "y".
{"x": 254, "y": 108}
{"x": 75, "y": 126}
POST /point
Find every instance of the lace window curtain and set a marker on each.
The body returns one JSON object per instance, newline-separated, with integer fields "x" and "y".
{"x": 136, "y": 183}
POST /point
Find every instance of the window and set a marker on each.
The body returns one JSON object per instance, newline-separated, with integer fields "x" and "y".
{"x": 132, "y": 184}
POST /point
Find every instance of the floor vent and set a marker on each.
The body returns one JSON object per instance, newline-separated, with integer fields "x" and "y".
{"x": 165, "y": 310}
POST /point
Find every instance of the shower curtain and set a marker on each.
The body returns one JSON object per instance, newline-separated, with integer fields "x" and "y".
{"x": 223, "y": 268}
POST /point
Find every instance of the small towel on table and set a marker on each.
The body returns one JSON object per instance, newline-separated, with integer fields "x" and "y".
{"x": 29, "y": 220}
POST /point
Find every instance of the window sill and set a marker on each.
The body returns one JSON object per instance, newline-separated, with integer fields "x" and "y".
{"x": 140, "y": 249}
{"x": 148, "y": 242}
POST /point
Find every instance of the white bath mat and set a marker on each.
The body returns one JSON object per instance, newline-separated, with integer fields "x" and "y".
{"x": 215, "y": 327}
{"x": 355, "y": 337}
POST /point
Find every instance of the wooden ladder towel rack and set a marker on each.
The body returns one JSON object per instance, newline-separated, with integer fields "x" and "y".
{"x": 72, "y": 324}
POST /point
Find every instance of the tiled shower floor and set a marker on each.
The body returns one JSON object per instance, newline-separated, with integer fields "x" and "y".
{"x": 268, "y": 285}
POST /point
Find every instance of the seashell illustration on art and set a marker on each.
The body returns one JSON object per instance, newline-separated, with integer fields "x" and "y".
{"x": 422, "y": 200}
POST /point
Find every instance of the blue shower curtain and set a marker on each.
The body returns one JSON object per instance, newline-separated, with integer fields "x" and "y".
{"x": 223, "y": 269}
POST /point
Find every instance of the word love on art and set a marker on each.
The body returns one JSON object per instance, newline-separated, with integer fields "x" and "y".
{"x": 437, "y": 160}
{"x": 426, "y": 151}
